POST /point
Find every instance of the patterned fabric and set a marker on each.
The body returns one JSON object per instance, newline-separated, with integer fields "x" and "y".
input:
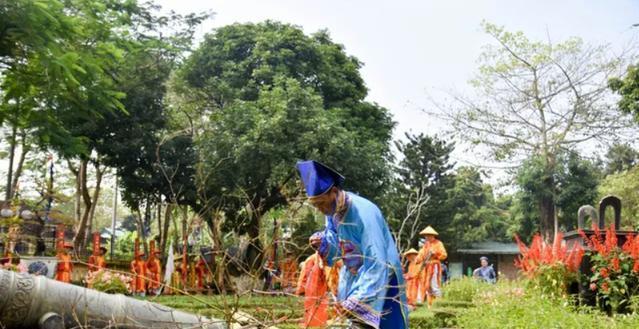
{"x": 371, "y": 282}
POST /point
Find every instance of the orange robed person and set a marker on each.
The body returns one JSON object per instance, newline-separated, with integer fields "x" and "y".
{"x": 411, "y": 276}
{"x": 138, "y": 269}
{"x": 313, "y": 284}
{"x": 201, "y": 272}
{"x": 429, "y": 259}
{"x": 97, "y": 260}
{"x": 65, "y": 265}
{"x": 153, "y": 269}
{"x": 289, "y": 271}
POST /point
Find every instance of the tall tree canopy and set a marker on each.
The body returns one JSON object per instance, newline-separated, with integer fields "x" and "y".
{"x": 270, "y": 95}
{"x": 537, "y": 99}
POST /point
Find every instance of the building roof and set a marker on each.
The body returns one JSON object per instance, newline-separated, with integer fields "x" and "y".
{"x": 491, "y": 247}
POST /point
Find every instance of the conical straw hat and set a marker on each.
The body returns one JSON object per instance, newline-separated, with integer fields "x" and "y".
{"x": 429, "y": 230}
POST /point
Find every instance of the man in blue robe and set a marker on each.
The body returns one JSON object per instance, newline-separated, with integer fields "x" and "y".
{"x": 371, "y": 291}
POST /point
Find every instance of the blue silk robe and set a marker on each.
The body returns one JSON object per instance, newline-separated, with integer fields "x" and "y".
{"x": 371, "y": 283}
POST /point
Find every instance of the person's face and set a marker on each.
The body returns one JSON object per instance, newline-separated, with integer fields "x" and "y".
{"x": 430, "y": 238}
{"x": 325, "y": 202}
{"x": 411, "y": 257}
{"x": 484, "y": 263}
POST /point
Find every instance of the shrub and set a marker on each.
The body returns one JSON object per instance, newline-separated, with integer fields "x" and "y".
{"x": 463, "y": 290}
{"x": 550, "y": 268}
{"x": 615, "y": 271}
{"x": 109, "y": 282}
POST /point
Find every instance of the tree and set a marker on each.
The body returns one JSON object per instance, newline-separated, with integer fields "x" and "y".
{"x": 476, "y": 217}
{"x": 258, "y": 97}
{"x": 620, "y": 157}
{"x": 576, "y": 180}
{"x": 424, "y": 175}
{"x": 625, "y": 185}
{"x": 628, "y": 88}
{"x": 538, "y": 99}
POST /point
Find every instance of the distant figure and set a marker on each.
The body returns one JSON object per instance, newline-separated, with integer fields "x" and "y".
{"x": 201, "y": 272}
{"x": 313, "y": 285}
{"x": 485, "y": 272}
{"x": 65, "y": 266}
{"x": 445, "y": 272}
{"x": 98, "y": 262}
{"x": 289, "y": 271}
{"x": 138, "y": 269}
{"x": 154, "y": 270}
{"x": 430, "y": 258}
{"x": 411, "y": 276}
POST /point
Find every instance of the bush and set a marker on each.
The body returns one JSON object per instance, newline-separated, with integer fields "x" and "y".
{"x": 463, "y": 290}
{"x": 506, "y": 305}
{"x": 105, "y": 281}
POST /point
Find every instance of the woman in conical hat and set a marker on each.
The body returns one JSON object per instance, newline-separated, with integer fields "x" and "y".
{"x": 429, "y": 259}
{"x": 371, "y": 288}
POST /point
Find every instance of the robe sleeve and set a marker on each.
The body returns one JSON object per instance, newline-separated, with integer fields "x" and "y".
{"x": 329, "y": 248}
{"x": 440, "y": 251}
{"x": 301, "y": 283}
{"x": 372, "y": 276}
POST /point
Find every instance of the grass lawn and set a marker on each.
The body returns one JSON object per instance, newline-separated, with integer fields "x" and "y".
{"x": 283, "y": 310}
{"x": 466, "y": 304}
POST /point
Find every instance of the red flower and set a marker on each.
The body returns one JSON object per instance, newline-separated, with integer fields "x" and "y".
{"x": 604, "y": 272}
{"x": 615, "y": 264}
{"x": 604, "y": 286}
{"x": 593, "y": 286}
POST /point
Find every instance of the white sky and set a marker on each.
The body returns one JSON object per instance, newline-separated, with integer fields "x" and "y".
{"x": 411, "y": 49}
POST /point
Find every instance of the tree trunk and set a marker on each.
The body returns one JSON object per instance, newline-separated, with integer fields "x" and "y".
{"x": 77, "y": 197}
{"x": 80, "y": 235}
{"x": 165, "y": 229}
{"x": 96, "y": 194}
{"x": 18, "y": 172}
{"x": 12, "y": 152}
{"x": 158, "y": 214}
{"x": 547, "y": 209}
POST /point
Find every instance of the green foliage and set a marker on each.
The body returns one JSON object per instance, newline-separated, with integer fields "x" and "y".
{"x": 620, "y": 157}
{"x": 574, "y": 183}
{"x": 124, "y": 245}
{"x": 465, "y": 289}
{"x": 508, "y": 306}
{"x": 628, "y": 88}
{"x": 477, "y": 217}
{"x": 271, "y": 95}
{"x": 624, "y": 185}
{"x": 552, "y": 280}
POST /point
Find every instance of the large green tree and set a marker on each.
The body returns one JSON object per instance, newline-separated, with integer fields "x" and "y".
{"x": 261, "y": 96}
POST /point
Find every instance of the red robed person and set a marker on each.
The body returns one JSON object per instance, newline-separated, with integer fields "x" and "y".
{"x": 65, "y": 265}
{"x": 97, "y": 259}
{"x": 154, "y": 269}
{"x": 138, "y": 269}
{"x": 313, "y": 284}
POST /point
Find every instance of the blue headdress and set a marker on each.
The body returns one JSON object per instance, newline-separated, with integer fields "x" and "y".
{"x": 318, "y": 178}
